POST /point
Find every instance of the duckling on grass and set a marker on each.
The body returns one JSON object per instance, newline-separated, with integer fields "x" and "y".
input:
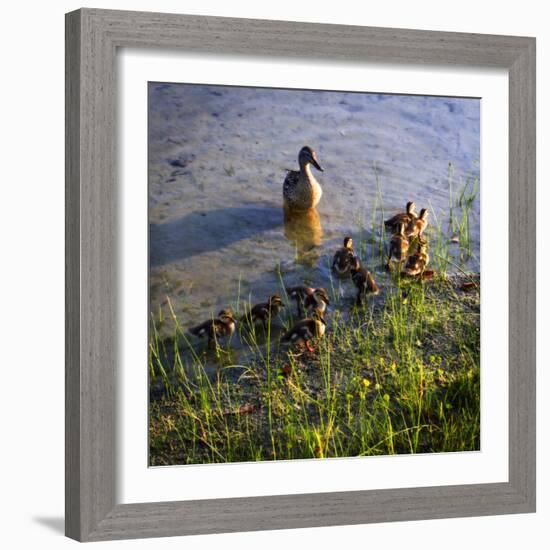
{"x": 221, "y": 326}
{"x": 406, "y": 217}
{"x": 399, "y": 246}
{"x": 417, "y": 262}
{"x": 364, "y": 282}
{"x": 299, "y": 294}
{"x": 262, "y": 313}
{"x": 306, "y": 331}
{"x": 417, "y": 227}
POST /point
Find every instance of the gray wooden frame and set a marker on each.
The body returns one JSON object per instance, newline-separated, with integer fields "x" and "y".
{"x": 92, "y": 38}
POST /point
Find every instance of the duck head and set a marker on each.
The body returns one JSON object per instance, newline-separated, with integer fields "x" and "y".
{"x": 308, "y": 156}
{"x": 411, "y": 207}
{"x": 348, "y": 243}
{"x": 275, "y": 300}
{"x": 226, "y": 317}
{"x": 321, "y": 295}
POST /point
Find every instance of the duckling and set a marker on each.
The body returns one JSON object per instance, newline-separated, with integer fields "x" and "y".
{"x": 417, "y": 227}
{"x": 399, "y": 246}
{"x": 299, "y": 293}
{"x": 317, "y": 301}
{"x": 364, "y": 281}
{"x": 221, "y": 326}
{"x": 262, "y": 313}
{"x": 306, "y": 330}
{"x": 417, "y": 262}
{"x": 406, "y": 217}
{"x": 301, "y": 191}
{"x": 344, "y": 258}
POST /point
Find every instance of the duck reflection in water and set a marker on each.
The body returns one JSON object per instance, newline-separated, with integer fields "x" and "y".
{"x": 303, "y": 229}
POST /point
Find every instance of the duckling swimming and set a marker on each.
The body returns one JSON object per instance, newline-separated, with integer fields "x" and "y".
{"x": 344, "y": 258}
{"x": 406, "y": 217}
{"x": 364, "y": 282}
{"x": 417, "y": 262}
{"x": 417, "y": 227}
{"x": 262, "y": 313}
{"x": 399, "y": 246}
{"x": 221, "y": 326}
{"x": 306, "y": 330}
{"x": 301, "y": 191}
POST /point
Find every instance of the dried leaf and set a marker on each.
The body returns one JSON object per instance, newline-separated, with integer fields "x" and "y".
{"x": 286, "y": 370}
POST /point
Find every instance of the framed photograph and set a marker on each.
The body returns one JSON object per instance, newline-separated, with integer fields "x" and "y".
{"x": 300, "y": 275}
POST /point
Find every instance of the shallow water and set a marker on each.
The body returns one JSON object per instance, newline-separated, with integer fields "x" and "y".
{"x": 217, "y": 161}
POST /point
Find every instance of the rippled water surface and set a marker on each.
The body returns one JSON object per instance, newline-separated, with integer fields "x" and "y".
{"x": 217, "y": 161}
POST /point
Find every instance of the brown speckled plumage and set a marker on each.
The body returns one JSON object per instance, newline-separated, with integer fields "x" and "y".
{"x": 417, "y": 262}
{"x": 417, "y": 227}
{"x": 305, "y": 331}
{"x": 364, "y": 282}
{"x": 317, "y": 302}
{"x": 407, "y": 217}
{"x": 299, "y": 294}
{"x": 301, "y": 191}
{"x": 262, "y": 313}
{"x": 344, "y": 258}
{"x": 399, "y": 246}
{"x": 221, "y": 326}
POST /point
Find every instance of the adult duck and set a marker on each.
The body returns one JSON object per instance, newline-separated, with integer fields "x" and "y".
{"x": 301, "y": 191}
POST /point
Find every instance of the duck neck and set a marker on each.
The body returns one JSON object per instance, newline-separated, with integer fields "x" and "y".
{"x": 305, "y": 169}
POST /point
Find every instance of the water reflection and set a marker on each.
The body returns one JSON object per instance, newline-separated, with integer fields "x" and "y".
{"x": 304, "y": 230}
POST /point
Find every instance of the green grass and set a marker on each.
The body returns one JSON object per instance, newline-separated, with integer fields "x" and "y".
{"x": 401, "y": 375}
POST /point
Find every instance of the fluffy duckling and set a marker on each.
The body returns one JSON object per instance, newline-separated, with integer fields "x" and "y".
{"x": 317, "y": 302}
{"x": 399, "y": 246}
{"x": 364, "y": 281}
{"x": 406, "y": 217}
{"x": 306, "y": 330}
{"x": 301, "y": 191}
{"x": 300, "y": 294}
{"x": 221, "y": 326}
{"x": 417, "y": 227}
{"x": 417, "y": 262}
{"x": 344, "y": 258}
{"x": 262, "y": 313}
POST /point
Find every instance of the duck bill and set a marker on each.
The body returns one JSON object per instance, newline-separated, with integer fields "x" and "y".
{"x": 317, "y": 165}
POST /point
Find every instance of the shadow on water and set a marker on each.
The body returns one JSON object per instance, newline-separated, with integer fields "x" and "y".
{"x": 209, "y": 230}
